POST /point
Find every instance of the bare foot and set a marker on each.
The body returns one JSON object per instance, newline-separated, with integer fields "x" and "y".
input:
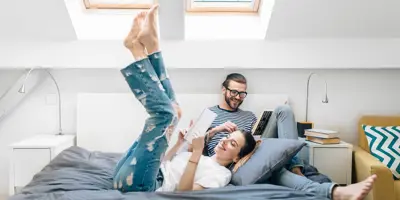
{"x": 148, "y": 36}
{"x": 131, "y": 42}
{"x": 357, "y": 191}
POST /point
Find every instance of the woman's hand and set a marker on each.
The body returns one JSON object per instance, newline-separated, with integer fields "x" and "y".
{"x": 198, "y": 144}
{"x": 181, "y": 136}
{"x": 182, "y": 133}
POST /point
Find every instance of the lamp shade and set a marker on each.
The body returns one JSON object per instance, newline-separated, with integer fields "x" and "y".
{"x": 22, "y": 89}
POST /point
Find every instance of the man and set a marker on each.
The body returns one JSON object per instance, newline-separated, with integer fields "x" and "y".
{"x": 230, "y": 118}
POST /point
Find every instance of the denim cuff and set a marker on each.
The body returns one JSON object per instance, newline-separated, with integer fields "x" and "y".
{"x": 295, "y": 162}
{"x": 135, "y": 67}
{"x": 330, "y": 195}
{"x": 155, "y": 55}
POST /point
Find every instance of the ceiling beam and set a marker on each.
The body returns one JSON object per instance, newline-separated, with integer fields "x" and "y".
{"x": 172, "y": 19}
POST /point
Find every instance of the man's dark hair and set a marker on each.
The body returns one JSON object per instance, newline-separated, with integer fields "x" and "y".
{"x": 234, "y": 77}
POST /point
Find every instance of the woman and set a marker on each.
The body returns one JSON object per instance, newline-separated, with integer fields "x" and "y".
{"x": 143, "y": 168}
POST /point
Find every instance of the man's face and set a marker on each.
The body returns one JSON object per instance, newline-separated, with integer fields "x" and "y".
{"x": 234, "y": 94}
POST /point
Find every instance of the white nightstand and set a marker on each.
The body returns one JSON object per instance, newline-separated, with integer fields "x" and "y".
{"x": 29, "y": 156}
{"x": 333, "y": 160}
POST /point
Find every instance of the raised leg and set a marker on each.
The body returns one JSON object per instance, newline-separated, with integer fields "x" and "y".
{"x": 138, "y": 169}
{"x": 282, "y": 124}
{"x": 157, "y": 61}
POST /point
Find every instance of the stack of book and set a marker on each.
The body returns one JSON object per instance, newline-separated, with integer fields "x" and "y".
{"x": 322, "y": 136}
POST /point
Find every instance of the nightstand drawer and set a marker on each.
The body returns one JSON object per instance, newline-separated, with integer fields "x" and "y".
{"x": 27, "y": 162}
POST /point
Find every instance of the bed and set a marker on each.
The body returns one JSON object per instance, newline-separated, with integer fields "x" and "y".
{"x": 106, "y": 125}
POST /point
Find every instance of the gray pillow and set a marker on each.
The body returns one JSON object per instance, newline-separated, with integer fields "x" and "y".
{"x": 272, "y": 154}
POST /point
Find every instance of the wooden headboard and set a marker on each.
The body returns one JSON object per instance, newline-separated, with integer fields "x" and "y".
{"x": 111, "y": 122}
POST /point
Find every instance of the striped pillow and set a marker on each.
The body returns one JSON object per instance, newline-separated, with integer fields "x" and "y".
{"x": 384, "y": 144}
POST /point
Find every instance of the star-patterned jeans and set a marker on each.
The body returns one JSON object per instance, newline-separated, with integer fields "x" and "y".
{"x": 139, "y": 168}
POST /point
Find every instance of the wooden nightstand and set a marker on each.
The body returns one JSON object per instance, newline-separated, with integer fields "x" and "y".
{"x": 29, "y": 156}
{"x": 333, "y": 160}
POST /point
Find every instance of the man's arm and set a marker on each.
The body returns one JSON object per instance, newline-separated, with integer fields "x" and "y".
{"x": 210, "y": 133}
{"x": 227, "y": 126}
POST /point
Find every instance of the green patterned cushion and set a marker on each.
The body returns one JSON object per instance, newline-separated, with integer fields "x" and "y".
{"x": 384, "y": 144}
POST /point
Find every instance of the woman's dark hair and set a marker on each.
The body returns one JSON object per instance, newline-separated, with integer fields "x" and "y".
{"x": 249, "y": 144}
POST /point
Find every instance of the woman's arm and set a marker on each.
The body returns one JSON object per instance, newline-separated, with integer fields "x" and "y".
{"x": 171, "y": 153}
{"x": 187, "y": 180}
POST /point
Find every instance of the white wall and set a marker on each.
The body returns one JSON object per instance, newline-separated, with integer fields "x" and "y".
{"x": 352, "y": 93}
{"x": 249, "y": 54}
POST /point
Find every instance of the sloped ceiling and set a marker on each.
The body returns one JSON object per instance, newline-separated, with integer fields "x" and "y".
{"x": 51, "y": 19}
{"x": 37, "y": 19}
{"x": 335, "y": 19}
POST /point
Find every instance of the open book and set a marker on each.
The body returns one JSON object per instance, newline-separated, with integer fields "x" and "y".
{"x": 201, "y": 125}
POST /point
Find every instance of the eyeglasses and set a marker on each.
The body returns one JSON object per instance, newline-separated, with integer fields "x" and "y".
{"x": 234, "y": 93}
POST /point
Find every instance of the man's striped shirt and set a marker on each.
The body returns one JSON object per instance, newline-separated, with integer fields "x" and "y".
{"x": 243, "y": 119}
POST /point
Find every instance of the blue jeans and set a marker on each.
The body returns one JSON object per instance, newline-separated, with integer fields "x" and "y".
{"x": 282, "y": 124}
{"x": 301, "y": 183}
{"x": 138, "y": 169}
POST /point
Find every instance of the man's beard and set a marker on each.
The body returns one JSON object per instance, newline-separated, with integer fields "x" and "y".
{"x": 229, "y": 101}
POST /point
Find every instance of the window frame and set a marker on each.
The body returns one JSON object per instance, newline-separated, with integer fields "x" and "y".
{"x": 191, "y": 9}
{"x": 88, "y": 5}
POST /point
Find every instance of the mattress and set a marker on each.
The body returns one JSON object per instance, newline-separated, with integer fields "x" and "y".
{"x": 77, "y": 173}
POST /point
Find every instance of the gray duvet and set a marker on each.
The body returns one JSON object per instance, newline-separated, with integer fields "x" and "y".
{"x": 77, "y": 174}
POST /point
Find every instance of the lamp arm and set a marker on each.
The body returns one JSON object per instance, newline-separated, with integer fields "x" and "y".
{"x": 325, "y": 100}
{"x": 59, "y": 101}
{"x": 58, "y": 92}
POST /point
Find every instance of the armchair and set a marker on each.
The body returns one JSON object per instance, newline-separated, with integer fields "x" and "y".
{"x": 385, "y": 187}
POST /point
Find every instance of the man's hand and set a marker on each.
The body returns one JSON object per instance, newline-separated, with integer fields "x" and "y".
{"x": 226, "y": 127}
{"x": 297, "y": 170}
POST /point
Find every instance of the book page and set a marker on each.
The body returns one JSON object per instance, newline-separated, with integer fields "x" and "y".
{"x": 201, "y": 125}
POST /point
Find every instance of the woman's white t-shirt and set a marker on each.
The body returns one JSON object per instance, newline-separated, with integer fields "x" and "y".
{"x": 209, "y": 173}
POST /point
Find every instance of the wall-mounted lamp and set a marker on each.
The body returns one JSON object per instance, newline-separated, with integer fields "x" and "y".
{"x": 324, "y": 100}
{"x": 22, "y": 90}
{"x": 301, "y": 126}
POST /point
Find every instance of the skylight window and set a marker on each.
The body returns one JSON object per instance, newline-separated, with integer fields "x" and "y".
{"x": 223, "y": 5}
{"x": 118, "y": 4}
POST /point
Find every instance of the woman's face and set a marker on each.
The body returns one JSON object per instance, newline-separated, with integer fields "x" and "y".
{"x": 229, "y": 147}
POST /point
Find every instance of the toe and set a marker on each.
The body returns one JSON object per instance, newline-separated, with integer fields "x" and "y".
{"x": 153, "y": 9}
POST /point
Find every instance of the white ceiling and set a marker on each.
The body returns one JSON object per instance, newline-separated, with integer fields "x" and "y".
{"x": 335, "y": 19}
{"x": 37, "y": 19}
{"x": 282, "y": 19}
